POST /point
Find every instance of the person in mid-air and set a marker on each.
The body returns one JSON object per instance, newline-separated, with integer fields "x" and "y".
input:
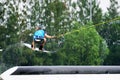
{"x": 39, "y": 37}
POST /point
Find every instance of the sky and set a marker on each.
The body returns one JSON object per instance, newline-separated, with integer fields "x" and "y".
{"x": 104, "y": 4}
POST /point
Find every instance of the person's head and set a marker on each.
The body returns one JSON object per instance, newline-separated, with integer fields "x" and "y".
{"x": 38, "y": 27}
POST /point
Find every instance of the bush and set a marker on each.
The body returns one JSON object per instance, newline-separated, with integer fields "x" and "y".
{"x": 84, "y": 47}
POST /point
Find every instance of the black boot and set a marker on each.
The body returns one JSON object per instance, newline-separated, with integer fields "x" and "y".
{"x": 41, "y": 47}
{"x": 31, "y": 46}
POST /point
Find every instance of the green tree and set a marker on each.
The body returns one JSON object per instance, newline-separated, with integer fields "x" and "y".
{"x": 13, "y": 24}
{"x": 83, "y": 47}
{"x": 110, "y": 32}
{"x": 54, "y": 18}
{"x": 113, "y": 9}
{"x": 112, "y": 36}
{"x": 87, "y": 10}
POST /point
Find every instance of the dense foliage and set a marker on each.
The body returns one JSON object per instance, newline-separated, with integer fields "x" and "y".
{"x": 82, "y": 43}
{"x": 84, "y": 47}
{"x": 81, "y": 47}
{"x": 111, "y": 33}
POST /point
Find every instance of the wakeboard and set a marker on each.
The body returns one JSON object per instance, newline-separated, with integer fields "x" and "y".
{"x": 37, "y": 49}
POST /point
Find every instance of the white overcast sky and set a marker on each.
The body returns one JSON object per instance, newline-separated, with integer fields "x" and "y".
{"x": 106, "y": 3}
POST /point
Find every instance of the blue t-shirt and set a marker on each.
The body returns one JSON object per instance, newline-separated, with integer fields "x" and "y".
{"x": 39, "y": 34}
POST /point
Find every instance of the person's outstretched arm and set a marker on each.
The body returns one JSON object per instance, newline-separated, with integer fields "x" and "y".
{"x": 48, "y": 36}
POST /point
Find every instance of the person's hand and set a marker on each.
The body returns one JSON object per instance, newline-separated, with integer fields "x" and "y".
{"x": 53, "y": 37}
{"x": 60, "y": 36}
{"x": 33, "y": 48}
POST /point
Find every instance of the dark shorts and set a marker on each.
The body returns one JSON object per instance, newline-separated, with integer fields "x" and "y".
{"x": 39, "y": 41}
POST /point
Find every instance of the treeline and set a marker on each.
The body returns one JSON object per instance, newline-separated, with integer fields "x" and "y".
{"x": 87, "y": 40}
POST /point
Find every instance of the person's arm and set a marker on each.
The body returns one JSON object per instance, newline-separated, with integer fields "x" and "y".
{"x": 48, "y": 36}
{"x": 33, "y": 45}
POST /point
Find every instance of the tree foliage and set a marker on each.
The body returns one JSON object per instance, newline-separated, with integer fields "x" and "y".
{"x": 87, "y": 10}
{"x": 84, "y": 47}
{"x": 81, "y": 47}
{"x": 81, "y": 44}
{"x": 110, "y": 32}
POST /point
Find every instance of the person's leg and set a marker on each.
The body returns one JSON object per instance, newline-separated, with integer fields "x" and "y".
{"x": 42, "y": 44}
{"x": 33, "y": 45}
